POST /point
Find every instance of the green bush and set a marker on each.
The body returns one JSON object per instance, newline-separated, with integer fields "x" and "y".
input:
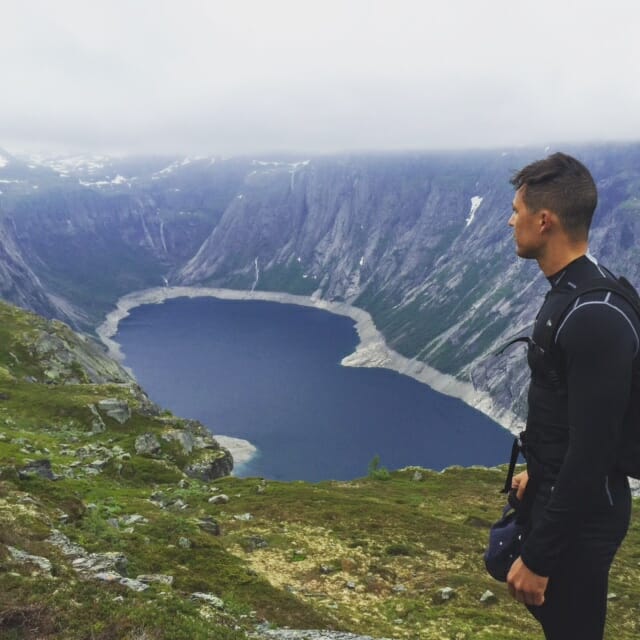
{"x": 376, "y": 472}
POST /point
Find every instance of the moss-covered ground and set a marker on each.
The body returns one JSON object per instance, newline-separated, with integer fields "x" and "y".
{"x": 369, "y": 556}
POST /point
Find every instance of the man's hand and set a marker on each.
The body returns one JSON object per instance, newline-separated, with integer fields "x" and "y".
{"x": 519, "y": 482}
{"x": 524, "y": 585}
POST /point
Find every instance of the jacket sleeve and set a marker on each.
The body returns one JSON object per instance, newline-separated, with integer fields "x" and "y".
{"x": 598, "y": 345}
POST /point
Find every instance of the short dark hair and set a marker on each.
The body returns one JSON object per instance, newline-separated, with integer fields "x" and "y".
{"x": 563, "y": 185}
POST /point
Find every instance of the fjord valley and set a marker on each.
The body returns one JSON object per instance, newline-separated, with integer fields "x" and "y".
{"x": 419, "y": 241}
{"x": 119, "y": 519}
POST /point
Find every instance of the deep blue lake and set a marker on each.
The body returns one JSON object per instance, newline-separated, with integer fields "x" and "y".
{"x": 270, "y": 373}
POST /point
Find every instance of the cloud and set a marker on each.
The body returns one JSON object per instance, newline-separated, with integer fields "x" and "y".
{"x": 250, "y": 76}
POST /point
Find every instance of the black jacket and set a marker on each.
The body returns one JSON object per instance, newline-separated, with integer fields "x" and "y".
{"x": 573, "y": 425}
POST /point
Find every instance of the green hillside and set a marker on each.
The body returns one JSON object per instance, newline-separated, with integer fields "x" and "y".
{"x": 114, "y": 525}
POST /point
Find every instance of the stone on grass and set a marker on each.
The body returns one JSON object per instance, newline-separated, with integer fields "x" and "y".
{"x": 209, "y": 598}
{"x": 147, "y": 445}
{"x": 116, "y": 409}
{"x": 243, "y": 517}
{"x": 41, "y": 468}
{"x": 23, "y": 557}
{"x": 134, "y": 585}
{"x": 443, "y": 595}
{"x": 488, "y": 597}
{"x": 219, "y": 499}
{"x": 209, "y": 525}
{"x": 160, "y": 578}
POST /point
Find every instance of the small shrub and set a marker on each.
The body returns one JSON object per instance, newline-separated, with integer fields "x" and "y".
{"x": 376, "y": 472}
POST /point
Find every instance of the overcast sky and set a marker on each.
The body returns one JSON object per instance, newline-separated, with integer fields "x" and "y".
{"x": 252, "y": 76}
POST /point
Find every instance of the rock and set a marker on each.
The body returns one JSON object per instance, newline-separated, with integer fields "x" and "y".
{"x": 41, "y": 468}
{"x": 243, "y": 517}
{"x": 219, "y": 499}
{"x": 215, "y": 464}
{"x": 178, "y": 504}
{"x": 445, "y": 594}
{"x": 108, "y": 576}
{"x": 184, "y": 483}
{"x": 209, "y": 525}
{"x": 116, "y": 409}
{"x": 147, "y": 445}
{"x": 612, "y": 596}
{"x": 488, "y": 597}
{"x": 326, "y": 569}
{"x": 399, "y": 588}
{"x": 184, "y": 438}
{"x": 23, "y": 557}
{"x": 136, "y": 518}
{"x": 68, "y": 548}
{"x": 134, "y": 585}
{"x": 209, "y": 598}
{"x": 97, "y": 424}
{"x": 155, "y": 577}
{"x": 110, "y": 561}
{"x": 158, "y": 498}
{"x": 254, "y": 542}
{"x": 417, "y": 476}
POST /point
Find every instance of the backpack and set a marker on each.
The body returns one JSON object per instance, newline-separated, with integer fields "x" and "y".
{"x": 628, "y": 454}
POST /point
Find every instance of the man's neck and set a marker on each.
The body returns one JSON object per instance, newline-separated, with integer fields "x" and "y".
{"x": 554, "y": 261}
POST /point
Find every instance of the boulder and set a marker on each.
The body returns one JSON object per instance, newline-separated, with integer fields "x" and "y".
{"x": 147, "y": 445}
{"x": 23, "y": 557}
{"x": 184, "y": 438}
{"x": 40, "y": 468}
{"x": 216, "y": 463}
{"x": 209, "y": 525}
{"x": 97, "y": 424}
{"x": 209, "y": 598}
{"x": 116, "y": 409}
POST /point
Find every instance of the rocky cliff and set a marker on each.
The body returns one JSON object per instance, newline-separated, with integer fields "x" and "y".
{"x": 420, "y": 241}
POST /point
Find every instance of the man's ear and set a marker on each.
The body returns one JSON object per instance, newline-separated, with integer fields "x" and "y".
{"x": 548, "y": 220}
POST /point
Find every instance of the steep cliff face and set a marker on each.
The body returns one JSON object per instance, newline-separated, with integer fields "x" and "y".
{"x": 420, "y": 241}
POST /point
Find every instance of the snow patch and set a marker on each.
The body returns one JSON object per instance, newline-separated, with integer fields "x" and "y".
{"x": 476, "y": 201}
{"x": 362, "y": 261}
{"x": 255, "y": 282}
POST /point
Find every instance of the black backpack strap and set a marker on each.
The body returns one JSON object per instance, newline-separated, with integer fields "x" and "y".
{"x": 516, "y": 449}
{"x": 620, "y": 286}
{"x": 503, "y": 347}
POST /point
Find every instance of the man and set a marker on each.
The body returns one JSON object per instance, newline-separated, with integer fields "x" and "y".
{"x": 579, "y": 400}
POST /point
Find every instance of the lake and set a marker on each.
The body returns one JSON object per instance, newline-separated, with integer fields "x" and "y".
{"x": 270, "y": 373}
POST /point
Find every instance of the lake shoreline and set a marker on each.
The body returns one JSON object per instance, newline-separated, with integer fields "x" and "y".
{"x": 371, "y": 351}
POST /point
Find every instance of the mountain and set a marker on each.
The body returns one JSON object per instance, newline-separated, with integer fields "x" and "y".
{"x": 419, "y": 240}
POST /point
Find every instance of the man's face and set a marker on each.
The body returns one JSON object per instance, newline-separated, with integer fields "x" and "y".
{"x": 526, "y": 228}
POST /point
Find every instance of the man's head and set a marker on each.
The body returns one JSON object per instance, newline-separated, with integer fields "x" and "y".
{"x": 562, "y": 185}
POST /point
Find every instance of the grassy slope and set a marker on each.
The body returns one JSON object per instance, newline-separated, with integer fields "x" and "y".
{"x": 367, "y": 556}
